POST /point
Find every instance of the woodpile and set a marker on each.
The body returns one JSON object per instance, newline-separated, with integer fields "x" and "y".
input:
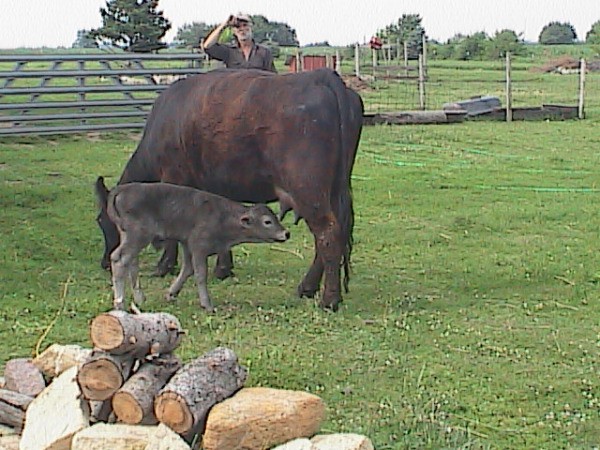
{"x": 132, "y": 391}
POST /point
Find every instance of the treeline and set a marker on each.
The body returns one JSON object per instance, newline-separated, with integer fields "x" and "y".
{"x": 140, "y": 26}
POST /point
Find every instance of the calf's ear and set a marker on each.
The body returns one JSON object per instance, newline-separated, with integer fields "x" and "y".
{"x": 101, "y": 193}
{"x": 246, "y": 220}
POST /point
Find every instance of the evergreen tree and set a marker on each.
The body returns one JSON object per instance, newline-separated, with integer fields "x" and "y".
{"x": 134, "y": 25}
{"x": 407, "y": 29}
{"x": 558, "y": 33}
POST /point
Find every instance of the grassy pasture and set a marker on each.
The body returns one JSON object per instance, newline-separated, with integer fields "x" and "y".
{"x": 473, "y": 315}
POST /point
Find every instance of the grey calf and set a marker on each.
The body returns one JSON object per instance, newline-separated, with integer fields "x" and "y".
{"x": 204, "y": 223}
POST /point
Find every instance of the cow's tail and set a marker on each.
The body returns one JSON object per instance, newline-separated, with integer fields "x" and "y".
{"x": 349, "y": 133}
{"x": 111, "y": 207}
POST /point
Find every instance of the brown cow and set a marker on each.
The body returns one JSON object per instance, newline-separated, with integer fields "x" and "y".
{"x": 204, "y": 223}
{"x": 259, "y": 137}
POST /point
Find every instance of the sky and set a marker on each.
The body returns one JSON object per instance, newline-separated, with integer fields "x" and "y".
{"x": 38, "y": 23}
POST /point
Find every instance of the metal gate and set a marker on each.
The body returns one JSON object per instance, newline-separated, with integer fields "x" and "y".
{"x": 52, "y": 94}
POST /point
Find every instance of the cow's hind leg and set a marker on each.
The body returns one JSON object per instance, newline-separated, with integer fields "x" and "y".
{"x": 329, "y": 251}
{"x": 187, "y": 269}
{"x": 168, "y": 260}
{"x": 224, "y": 265}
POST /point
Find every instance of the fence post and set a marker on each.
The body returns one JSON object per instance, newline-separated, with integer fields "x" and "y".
{"x": 357, "y": 60}
{"x": 406, "y": 58}
{"x": 509, "y": 114}
{"x": 581, "y": 111}
{"x": 338, "y": 66}
{"x": 424, "y": 54}
{"x": 421, "y": 84}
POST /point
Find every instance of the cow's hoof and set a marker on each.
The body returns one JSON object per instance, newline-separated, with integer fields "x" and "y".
{"x": 170, "y": 297}
{"x": 164, "y": 269}
{"x": 331, "y": 307}
{"x": 306, "y": 292}
{"x": 222, "y": 273}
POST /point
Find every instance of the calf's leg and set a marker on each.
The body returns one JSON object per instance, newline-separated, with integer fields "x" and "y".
{"x": 121, "y": 260}
{"x": 187, "y": 269}
{"x": 168, "y": 260}
{"x": 199, "y": 260}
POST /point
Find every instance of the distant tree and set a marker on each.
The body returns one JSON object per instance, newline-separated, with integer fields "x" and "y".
{"x": 190, "y": 34}
{"x": 133, "y": 25}
{"x": 273, "y": 32}
{"x": 318, "y": 44}
{"x": 470, "y": 47}
{"x": 593, "y": 36}
{"x": 558, "y": 33}
{"x": 407, "y": 29}
{"x": 503, "y": 42}
{"x": 84, "y": 40}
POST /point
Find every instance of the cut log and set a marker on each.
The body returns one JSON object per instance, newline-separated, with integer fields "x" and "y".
{"x": 133, "y": 403}
{"x": 184, "y": 402}
{"x": 23, "y": 377}
{"x": 103, "y": 374}
{"x": 119, "y": 332}
{"x": 12, "y": 408}
{"x": 100, "y": 411}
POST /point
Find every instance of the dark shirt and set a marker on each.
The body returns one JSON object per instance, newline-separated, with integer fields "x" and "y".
{"x": 233, "y": 57}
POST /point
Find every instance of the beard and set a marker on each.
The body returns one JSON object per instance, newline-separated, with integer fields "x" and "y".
{"x": 244, "y": 35}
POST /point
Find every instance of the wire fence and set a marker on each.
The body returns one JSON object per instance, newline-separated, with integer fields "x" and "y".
{"x": 389, "y": 83}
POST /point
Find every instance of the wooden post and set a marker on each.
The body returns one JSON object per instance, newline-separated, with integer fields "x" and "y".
{"x": 424, "y": 55}
{"x": 421, "y": 84}
{"x": 357, "y": 60}
{"x": 508, "y": 90}
{"x": 406, "y": 58}
{"x": 374, "y": 56}
{"x": 582, "y": 69}
{"x": 338, "y": 62}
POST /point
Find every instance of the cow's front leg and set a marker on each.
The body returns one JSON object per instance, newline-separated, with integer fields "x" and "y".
{"x": 168, "y": 260}
{"x": 310, "y": 284}
{"x": 187, "y": 269}
{"x": 199, "y": 260}
{"x": 224, "y": 265}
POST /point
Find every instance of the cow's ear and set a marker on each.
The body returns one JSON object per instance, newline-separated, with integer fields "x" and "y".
{"x": 246, "y": 220}
{"x": 101, "y": 193}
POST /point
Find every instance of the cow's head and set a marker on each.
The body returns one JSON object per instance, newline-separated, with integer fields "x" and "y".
{"x": 109, "y": 230}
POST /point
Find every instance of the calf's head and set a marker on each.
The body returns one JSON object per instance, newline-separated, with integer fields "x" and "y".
{"x": 109, "y": 230}
{"x": 260, "y": 224}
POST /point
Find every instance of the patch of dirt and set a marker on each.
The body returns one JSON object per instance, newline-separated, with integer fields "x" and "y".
{"x": 356, "y": 83}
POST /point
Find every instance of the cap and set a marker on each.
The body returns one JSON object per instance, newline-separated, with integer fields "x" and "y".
{"x": 243, "y": 18}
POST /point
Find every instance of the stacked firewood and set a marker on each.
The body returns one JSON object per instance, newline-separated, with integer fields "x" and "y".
{"x": 133, "y": 377}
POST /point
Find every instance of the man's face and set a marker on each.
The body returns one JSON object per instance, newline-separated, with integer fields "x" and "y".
{"x": 243, "y": 31}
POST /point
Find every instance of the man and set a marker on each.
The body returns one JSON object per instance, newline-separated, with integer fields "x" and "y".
{"x": 245, "y": 53}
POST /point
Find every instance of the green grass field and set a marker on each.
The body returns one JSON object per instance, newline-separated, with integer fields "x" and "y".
{"x": 473, "y": 316}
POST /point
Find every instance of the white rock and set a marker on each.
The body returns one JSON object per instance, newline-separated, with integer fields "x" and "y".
{"x": 57, "y": 358}
{"x": 9, "y": 442}
{"x": 297, "y": 444}
{"x": 104, "y": 436}
{"x": 55, "y": 415}
{"x": 342, "y": 441}
{"x": 166, "y": 439}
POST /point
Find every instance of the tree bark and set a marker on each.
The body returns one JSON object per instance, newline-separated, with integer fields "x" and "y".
{"x": 133, "y": 403}
{"x": 12, "y": 408}
{"x": 103, "y": 374}
{"x": 119, "y": 332}
{"x": 184, "y": 402}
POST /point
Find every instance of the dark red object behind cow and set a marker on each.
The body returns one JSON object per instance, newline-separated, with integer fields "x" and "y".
{"x": 258, "y": 137}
